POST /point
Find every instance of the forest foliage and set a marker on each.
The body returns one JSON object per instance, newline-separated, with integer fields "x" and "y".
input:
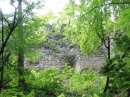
{"x": 53, "y": 82}
{"x": 88, "y": 24}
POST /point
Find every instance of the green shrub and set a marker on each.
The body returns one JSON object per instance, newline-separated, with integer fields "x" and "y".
{"x": 52, "y": 82}
{"x": 84, "y": 84}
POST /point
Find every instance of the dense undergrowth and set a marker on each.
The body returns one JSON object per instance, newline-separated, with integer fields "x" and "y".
{"x": 52, "y": 82}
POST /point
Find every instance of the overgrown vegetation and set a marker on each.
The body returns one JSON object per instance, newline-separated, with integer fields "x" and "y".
{"x": 52, "y": 82}
{"x": 88, "y": 24}
{"x": 117, "y": 68}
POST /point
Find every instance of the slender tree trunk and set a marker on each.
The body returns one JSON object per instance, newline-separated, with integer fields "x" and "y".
{"x": 20, "y": 50}
{"x": 108, "y": 50}
{"x": 2, "y": 53}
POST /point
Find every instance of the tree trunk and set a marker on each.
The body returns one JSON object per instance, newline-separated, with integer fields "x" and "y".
{"x": 20, "y": 50}
{"x": 2, "y": 53}
{"x": 108, "y": 56}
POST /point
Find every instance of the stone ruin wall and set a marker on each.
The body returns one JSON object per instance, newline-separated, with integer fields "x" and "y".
{"x": 66, "y": 53}
{"x": 73, "y": 56}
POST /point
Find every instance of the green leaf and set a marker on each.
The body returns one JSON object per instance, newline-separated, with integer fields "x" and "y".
{"x": 108, "y": 61}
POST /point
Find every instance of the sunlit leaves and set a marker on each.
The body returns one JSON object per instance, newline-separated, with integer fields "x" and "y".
{"x": 118, "y": 67}
{"x": 54, "y": 81}
{"x": 91, "y": 26}
{"x": 123, "y": 23}
{"x": 34, "y": 36}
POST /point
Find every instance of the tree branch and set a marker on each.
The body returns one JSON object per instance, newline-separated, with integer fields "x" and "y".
{"x": 15, "y": 24}
{"x": 117, "y": 3}
{"x": 6, "y": 82}
{"x": 9, "y": 25}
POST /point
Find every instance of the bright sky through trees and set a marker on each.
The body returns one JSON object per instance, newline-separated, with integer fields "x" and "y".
{"x": 55, "y": 5}
{"x": 50, "y": 5}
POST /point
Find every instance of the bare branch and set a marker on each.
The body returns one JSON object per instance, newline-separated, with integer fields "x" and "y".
{"x": 7, "y": 22}
{"x": 13, "y": 5}
{"x": 14, "y": 18}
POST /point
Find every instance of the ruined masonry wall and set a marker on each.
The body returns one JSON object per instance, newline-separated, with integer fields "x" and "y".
{"x": 78, "y": 61}
{"x": 56, "y": 52}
